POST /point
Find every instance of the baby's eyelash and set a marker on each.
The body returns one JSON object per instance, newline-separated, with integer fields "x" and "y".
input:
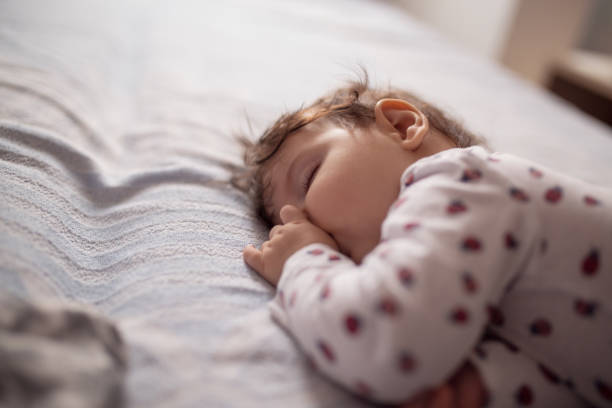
{"x": 308, "y": 179}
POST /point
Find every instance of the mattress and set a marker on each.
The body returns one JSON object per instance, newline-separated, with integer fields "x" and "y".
{"x": 116, "y": 147}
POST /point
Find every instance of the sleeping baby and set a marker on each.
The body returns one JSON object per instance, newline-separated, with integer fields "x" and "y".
{"x": 412, "y": 264}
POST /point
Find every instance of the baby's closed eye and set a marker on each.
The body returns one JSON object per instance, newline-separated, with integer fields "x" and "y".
{"x": 309, "y": 175}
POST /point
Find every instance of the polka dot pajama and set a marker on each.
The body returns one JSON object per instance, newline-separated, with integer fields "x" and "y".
{"x": 483, "y": 257}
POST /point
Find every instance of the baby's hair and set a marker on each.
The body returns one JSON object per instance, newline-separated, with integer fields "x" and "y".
{"x": 348, "y": 107}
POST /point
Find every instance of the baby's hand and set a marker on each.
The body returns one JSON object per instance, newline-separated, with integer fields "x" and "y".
{"x": 295, "y": 233}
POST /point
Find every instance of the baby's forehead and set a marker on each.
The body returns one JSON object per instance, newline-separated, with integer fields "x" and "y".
{"x": 291, "y": 145}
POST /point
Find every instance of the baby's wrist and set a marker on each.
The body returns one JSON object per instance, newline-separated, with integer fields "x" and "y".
{"x": 312, "y": 252}
{"x": 316, "y": 255}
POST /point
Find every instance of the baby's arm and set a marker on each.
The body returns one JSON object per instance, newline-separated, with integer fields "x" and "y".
{"x": 508, "y": 376}
{"x": 466, "y": 389}
{"x": 406, "y": 318}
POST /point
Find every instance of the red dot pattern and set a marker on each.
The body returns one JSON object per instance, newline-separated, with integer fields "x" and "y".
{"x": 363, "y": 389}
{"x": 554, "y": 195}
{"x": 590, "y": 263}
{"x": 535, "y": 173}
{"x": 460, "y": 315}
{"x": 496, "y": 316}
{"x": 585, "y": 308}
{"x": 352, "y": 323}
{"x": 470, "y": 284}
{"x": 456, "y": 207}
{"x": 524, "y": 396}
{"x": 470, "y": 175}
{"x": 406, "y": 362}
{"x": 406, "y": 277}
{"x": 590, "y": 200}
{"x": 411, "y": 226}
{"x": 541, "y": 327}
{"x": 510, "y": 241}
{"x": 471, "y": 244}
{"x": 388, "y": 307}
{"x": 519, "y": 195}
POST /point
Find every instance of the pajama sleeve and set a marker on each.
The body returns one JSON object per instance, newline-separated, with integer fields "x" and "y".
{"x": 511, "y": 379}
{"x": 408, "y": 316}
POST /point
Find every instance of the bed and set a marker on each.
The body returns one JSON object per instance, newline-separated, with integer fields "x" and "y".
{"x": 116, "y": 147}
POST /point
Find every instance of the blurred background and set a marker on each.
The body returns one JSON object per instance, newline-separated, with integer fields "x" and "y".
{"x": 564, "y": 46}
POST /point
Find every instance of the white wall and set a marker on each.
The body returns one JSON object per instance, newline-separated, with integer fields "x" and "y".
{"x": 525, "y": 35}
{"x": 481, "y": 25}
{"x": 543, "y": 31}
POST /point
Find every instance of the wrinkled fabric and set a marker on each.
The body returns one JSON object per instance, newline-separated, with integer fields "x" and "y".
{"x": 57, "y": 356}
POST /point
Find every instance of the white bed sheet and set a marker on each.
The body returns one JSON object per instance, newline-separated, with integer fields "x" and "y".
{"x": 114, "y": 147}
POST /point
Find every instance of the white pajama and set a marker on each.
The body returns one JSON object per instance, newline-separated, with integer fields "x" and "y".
{"x": 483, "y": 257}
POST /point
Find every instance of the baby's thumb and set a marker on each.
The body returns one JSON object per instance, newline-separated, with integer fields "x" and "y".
{"x": 254, "y": 258}
{"x": 290, "y": 213}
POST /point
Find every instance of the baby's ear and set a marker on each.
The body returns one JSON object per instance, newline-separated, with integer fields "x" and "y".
{"x": 402, "y": 119}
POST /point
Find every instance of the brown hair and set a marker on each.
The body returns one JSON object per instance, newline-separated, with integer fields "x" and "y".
{"x": 349, "y": 107}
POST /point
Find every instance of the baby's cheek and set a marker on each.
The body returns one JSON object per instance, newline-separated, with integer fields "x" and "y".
{"x": 329, "y": 202}
{"x": 362, "y": 246}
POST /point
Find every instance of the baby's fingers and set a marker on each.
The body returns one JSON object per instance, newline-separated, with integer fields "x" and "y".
{"x": 290, "y": 213}
{"x": 274, "y": 231}
{"x": 254, "y": 258}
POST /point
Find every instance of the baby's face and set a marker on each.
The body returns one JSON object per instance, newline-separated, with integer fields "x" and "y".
{"x": 344, "y": 180}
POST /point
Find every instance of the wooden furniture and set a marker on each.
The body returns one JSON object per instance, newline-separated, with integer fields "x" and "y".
{"x": 585, "y": 79}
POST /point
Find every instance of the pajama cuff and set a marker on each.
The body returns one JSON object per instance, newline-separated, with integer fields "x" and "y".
{"x": 314, "y": 257}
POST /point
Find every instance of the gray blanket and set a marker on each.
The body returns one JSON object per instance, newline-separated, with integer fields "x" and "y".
{"x": 58, "y": 357}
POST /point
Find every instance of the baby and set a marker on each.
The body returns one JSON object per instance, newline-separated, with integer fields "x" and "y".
{"x": 412, "y": 263}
